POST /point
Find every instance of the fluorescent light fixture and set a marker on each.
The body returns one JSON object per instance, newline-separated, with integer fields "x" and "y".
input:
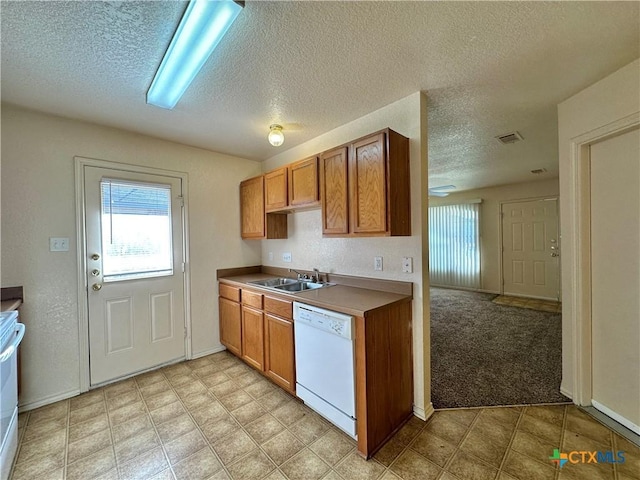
{"x": 202, "y": 27}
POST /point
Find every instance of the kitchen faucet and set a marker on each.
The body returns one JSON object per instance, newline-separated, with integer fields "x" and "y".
{"x": 303, "y": 276}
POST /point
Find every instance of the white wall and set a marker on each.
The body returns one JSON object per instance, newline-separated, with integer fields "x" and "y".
{"x": 354, "y": 256}
{"x": 38, "y": 202}
{"x": 490, "y": 249}
{"x": 611, "y": 99}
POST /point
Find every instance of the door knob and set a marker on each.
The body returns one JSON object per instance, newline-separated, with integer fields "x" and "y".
{"x": 95, "y": 256}
{"x": 96, "y": 286}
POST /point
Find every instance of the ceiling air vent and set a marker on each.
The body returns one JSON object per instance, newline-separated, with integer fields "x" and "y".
{"x": 508, "y": 138}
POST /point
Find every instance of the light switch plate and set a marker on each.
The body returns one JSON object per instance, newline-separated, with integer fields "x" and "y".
{"x": 58, "y": 244}
{"x": 377, "y": 263}
{"x": 286, "y": 257}
{"x": 271, "y": 256}
{"x": 407, "y": 264}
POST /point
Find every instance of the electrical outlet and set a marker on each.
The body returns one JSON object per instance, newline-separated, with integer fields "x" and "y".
{"x": 58, "y": 244}
{"x": 286, "y": 257}
{"x": 407, "y": 264}
{"x": 271, "y": 256}
{"x": 377, "y": 263}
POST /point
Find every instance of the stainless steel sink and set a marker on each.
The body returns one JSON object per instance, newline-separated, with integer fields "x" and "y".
{"x": 300, "y": 286}
{"x": 274, "y": 282}
{"x": 289, "y": 285}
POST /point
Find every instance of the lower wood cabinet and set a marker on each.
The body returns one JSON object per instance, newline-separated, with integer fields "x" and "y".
{"x": 259, "y": 328}
{"x": 253, "y": 337}
{"x": 384, "y": 374}
{"x": 279, "y": 342}
{"x": 230, "y": 319}
{"x": 279, "y": 359}
{"x": 259, "y": 333}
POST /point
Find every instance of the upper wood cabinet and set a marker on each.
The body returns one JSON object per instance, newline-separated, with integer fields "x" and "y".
{"x": 294, "y": 186}
{"x": 334, "y": 192}
{"x": 303, "y": 183}
{"x": 252, "y": 207}
{"x": 255, "y": 223}
{"x": 275, "y": 185}
{"x": 366, "y": 187}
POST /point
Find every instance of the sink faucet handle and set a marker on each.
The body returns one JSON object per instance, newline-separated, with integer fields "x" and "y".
{"x": 316, "y": 275}
{"x": 301, "y": 276}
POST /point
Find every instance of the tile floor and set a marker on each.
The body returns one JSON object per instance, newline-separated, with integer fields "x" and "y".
{"x": 530, "y": 303}
{"x": 216, "y": 418}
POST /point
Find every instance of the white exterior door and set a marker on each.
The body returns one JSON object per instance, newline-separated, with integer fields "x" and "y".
{"x": 530, "y": 249}
{"x": 135, "y": 271}
{"x": 615, "y": 277}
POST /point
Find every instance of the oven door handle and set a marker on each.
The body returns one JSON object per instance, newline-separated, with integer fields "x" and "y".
{"x": 6, "y": 355}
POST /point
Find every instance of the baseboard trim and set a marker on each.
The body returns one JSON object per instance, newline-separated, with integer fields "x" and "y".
{"x": 423, "y": 413}
{"x": 48, "y": 400}
{"x": 566, "y": 392}
{"x": 219, "y": 348}
{"x": 617, "y": 417}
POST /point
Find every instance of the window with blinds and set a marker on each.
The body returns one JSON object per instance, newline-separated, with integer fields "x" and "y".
{"x": 136, "y": 230}
{"x": 454, "y": 245}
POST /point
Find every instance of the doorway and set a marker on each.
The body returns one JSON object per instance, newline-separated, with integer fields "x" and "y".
{"x": 133, "y": 269}
{"x": 615, "y": 277}
{"x": 531, "y": 249}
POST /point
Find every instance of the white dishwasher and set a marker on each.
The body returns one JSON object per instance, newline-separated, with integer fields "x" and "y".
{"x": 11, "y": 333}
{"x": 325, "y": 364}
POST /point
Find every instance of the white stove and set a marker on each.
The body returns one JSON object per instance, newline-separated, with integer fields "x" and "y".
{"x": 11, "y": 334}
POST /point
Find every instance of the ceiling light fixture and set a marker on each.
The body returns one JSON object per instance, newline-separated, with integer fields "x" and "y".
{"x": 276, "y": 137}
{"x": 203, "y": 25}
{"x": 441, "y": 191}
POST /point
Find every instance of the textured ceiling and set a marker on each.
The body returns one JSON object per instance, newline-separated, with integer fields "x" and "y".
{"x": 488, "y": 68}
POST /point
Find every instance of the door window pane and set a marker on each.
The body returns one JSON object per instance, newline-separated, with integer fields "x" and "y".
{"x": 136, "y": 230}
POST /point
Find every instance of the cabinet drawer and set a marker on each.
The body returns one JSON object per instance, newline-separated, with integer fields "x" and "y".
{"x": 282, "y": 308}
{"x": 252, "y": 299}
{"x": 229, "y": 292}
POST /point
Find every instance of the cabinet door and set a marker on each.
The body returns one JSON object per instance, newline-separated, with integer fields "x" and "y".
{"x": 253, "y": 337}
{"x": 334, "y": 192}
{"x": 275, "y": 187}
{"x": 252, "y": 208}
{"x": 279, "y": 350}
{"x": 368, "y": 185}
{"x": 303, "y": 182}
{"x": 230, "y": 325}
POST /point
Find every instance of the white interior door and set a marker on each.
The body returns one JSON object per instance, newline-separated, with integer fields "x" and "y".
{"x": 530, "y": 249}
{"x": 615, "y": 277}
{"x": 135, "y": 271}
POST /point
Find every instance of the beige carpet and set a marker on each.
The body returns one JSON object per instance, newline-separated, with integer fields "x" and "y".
{"x": 483, "y": 353}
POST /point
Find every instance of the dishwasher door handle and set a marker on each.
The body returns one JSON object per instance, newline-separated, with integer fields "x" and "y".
{"x": 13, "y": 346}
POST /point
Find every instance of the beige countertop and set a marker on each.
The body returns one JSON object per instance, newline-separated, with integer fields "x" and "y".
{"x": 342, "y": 298}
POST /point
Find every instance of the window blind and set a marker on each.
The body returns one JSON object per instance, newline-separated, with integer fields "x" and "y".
{"x": 136, "y": 230}
{"x": 454, "y": 245}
